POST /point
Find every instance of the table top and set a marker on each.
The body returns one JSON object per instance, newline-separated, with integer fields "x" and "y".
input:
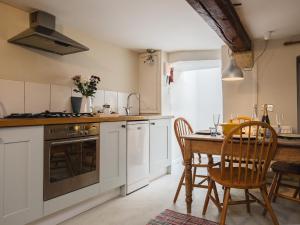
{"x": 219, "y": 138}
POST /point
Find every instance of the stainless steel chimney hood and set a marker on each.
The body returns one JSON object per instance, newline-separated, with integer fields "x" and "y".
{"x": 42, "y": 35}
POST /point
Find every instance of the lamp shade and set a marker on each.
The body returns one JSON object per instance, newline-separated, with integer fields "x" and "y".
{"x": 233, "y": 72}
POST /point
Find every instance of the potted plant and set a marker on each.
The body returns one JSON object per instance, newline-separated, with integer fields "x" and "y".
{"x": 88, "y": 90}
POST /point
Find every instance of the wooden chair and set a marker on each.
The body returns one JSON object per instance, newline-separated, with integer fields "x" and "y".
{"x": 182, "y": 127}
{"x": 238, "y": 120}
{"x": 280, "y": 169}
{"x": 258, "y": 150}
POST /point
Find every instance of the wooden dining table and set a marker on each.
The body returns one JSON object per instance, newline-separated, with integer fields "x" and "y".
{"x": 287, "y": 150}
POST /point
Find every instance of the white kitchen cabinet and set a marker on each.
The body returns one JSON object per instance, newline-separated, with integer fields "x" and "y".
{"x": 21, "y": 175}
{"x": 160, "y": 147}
{"x": 150, "y": 83}
{"x": 112, "y": 155}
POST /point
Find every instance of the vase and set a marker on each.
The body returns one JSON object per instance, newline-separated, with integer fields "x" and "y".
{"x": 76, "y": 104}
{"x": 87, "y": 104}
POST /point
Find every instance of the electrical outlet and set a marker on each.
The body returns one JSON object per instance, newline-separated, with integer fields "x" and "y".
{"x": 270, "y": 107}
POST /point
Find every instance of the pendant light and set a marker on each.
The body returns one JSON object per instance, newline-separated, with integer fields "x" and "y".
{"x": 233, "y": 72}
{"x": 150, "y": 59}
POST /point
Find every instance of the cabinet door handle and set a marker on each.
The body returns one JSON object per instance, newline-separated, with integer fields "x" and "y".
{"x": 152, "y": 123}
{"x": 123, "y": 126}
{"x": 139, "y": 128}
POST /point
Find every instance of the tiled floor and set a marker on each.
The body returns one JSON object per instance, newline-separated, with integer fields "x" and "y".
{"x": 139, "y": 207}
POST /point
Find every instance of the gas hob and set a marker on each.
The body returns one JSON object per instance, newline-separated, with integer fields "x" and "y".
{"x": 47, "y": 114}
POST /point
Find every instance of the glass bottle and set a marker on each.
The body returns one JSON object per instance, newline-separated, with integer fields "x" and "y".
{"x": 265, "y": 117}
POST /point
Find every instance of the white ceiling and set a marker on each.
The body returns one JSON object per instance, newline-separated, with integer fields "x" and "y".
{"x": 261, "y": 16}
{"x": 170, "y": 25}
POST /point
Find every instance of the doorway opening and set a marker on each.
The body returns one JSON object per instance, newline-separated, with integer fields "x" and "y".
{"x": 196, "y": 94}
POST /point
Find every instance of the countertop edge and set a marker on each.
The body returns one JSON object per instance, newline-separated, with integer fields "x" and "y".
{"x": 97, "y": 119}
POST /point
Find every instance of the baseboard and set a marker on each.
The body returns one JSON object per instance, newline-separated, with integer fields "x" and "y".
{"x": 70, "y": 199}
{"x": 159, "y": 173}
{"x": 75, "y": 210}
{"x": 137, "y": 185}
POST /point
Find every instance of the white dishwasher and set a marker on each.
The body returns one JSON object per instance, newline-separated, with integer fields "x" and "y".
{"x": 137, "y": 155}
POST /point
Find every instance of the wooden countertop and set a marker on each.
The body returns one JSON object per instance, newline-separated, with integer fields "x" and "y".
{"x": 95, "y": 119}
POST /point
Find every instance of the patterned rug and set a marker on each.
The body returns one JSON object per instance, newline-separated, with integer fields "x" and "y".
{"x": 169, "y": 217}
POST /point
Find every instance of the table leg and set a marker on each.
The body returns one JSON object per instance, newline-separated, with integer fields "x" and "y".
{"x": 188, "y": 175}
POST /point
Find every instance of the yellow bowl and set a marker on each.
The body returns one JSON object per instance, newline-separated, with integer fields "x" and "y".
{"x": 227, "y": 127}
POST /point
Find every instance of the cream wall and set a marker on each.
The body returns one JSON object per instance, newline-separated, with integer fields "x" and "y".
{"x": 116, "y": 66}
{"x": 277, "y": 79}
{"x": 238, "y": 96}
{"x": 276, "y": 83}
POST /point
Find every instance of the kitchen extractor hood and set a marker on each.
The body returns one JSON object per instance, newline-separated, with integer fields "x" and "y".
{"x": 42, "y": 35}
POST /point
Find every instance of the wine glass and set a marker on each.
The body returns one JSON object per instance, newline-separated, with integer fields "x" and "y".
{"x": 279, "y": 119}
{"x": 216, "y": 120}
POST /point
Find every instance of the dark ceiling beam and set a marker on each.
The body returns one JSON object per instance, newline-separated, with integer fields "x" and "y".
{"x": 223, "y": 19}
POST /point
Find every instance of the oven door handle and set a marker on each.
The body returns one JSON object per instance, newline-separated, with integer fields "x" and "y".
{"x": 74, "y": 141}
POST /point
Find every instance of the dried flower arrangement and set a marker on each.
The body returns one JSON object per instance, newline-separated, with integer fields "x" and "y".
{"x": 87, "y": 87}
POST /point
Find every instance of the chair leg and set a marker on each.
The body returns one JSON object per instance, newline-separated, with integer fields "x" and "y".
{"x": 223, "y": 187}
{"x": 210, "y": 187}
{"x": 277, "y": 187}
{"x": 264, "y": 194}
{"x": 247, "y": 199}
{"x": 194, "y": 174}
{"x": 274, "y": 184}
{"x": 297, "y": 191}
{"x": 225, "y": 206}
{"x": 216, "y": 193}
{"x": 179, "y": 187}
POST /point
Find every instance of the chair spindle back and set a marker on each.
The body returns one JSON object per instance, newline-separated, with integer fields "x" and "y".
{"x": 182, "y": 127}
{"x": 250, "y": 155}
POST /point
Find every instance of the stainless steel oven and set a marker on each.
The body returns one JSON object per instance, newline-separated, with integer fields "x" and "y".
{"x": 71, "y": 158}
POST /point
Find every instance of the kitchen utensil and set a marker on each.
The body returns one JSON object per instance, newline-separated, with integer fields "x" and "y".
{"x": 106, "y": 109}
{"x": 76, "y": 104}
{"x": 203, "y": 132}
